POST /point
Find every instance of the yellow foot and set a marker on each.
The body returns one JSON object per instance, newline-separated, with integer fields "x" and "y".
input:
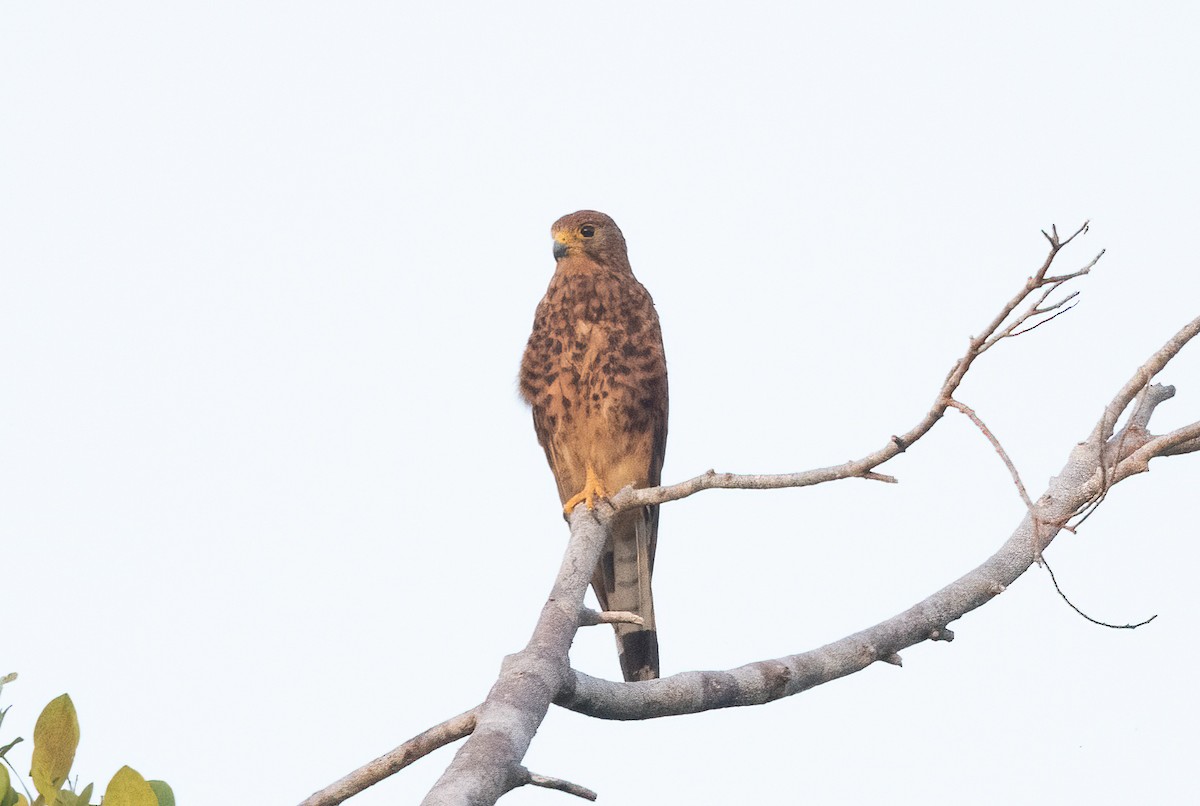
{"x": 592, "y": 491}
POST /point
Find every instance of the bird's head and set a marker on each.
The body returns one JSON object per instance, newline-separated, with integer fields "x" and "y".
{"x": 589, "y": 234}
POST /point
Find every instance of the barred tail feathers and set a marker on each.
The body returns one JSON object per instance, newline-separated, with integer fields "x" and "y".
{"x": 622, "y": 582}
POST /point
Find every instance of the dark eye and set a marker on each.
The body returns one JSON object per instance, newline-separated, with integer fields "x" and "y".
{"x": 587, "y": 230}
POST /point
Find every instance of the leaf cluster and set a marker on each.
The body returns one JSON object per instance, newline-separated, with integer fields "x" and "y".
{"x": 55, "y": 739}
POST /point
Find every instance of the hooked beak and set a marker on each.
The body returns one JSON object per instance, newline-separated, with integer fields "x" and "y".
{"x": 560, "y": 250}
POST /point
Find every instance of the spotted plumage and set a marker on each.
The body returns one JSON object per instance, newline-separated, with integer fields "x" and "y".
{"x": 595, "y": 376}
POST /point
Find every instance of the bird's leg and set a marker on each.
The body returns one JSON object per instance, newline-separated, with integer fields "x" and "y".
{"x": 592, "y": 491}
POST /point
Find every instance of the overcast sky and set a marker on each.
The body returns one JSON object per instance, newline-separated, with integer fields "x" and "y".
{"x": 270, "y": 503}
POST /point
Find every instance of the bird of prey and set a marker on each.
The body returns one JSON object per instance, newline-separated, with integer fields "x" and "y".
{"x": 596, "y": 377}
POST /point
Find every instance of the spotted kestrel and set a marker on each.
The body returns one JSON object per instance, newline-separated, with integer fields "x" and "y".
{"x": 596, "y": 377}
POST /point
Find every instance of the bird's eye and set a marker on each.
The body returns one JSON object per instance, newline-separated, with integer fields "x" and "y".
{"x": 587, "y": 230}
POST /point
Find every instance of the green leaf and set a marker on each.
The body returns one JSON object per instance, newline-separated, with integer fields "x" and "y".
{"x": 21, "y": 800}
{"x": 8, "y": 795}
{"x": 66, "y": 797}
{"x": 163, "y": 792}
{"x": 9, "y": 746}
{"x": 128, "y": 788}
{"x": 55, "y": 737}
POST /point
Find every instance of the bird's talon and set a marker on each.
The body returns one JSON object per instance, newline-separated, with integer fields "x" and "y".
{"x": 592, "y": 492}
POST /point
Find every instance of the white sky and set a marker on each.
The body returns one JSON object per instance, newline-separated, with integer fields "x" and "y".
{"x": 269, "y": 501}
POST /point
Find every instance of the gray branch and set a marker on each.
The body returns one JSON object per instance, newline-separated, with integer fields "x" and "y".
{"x": 1082, "y": 481}
{"x": 489, "y": 764}
{"x": 395, "y": 760}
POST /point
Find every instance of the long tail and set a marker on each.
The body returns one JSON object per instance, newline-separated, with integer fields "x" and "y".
{"x": 622, "y": 582}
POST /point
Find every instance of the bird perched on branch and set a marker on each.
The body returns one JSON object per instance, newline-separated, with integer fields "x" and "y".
{"x": 596, "y": 377}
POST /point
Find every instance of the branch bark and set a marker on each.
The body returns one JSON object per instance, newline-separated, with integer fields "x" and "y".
{"x": 488, "y": 765}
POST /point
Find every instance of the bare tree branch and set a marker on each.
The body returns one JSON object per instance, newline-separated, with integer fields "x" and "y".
{"x": 1080, "y": 482}
{"x": 1181, "y": 440}
{"x": 488, "y": 765}
{"x": 1184, "y": 445}
{"x": 629, "y": 498}
{"x": 1142, "y": 378}
{"x": 392, "y": 762}
{"x": 768, "y": 680}
{"x": 1038, "y": 281}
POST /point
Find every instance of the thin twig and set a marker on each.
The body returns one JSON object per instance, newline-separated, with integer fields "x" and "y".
{"x": 1062, "y": 278}
{"x": 1012, "y": 469}
{"x": 1051, "y": 284}
{"x": 1053, "y": 579}
{"x": 534, "y": 779}
{"x": 1038, "y": 324}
